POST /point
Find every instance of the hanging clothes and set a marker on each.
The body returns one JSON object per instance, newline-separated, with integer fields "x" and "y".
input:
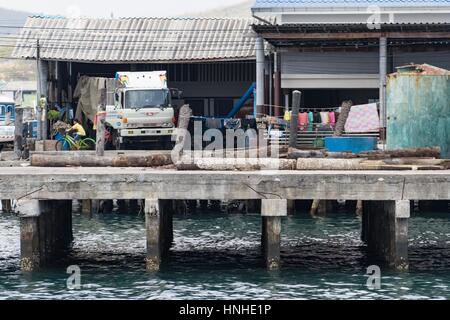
{"x": 287, "y": 116}
{"x": 332, "y": 117}
{"x": 302, "y": 119}
{"x": 325, "y": 117}
{"x": 310, "y": 118}
{"x": 363, "y": 119}
{"x": 317, "y": 118}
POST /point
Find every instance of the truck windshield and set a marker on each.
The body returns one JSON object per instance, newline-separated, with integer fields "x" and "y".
{"x": 141, "y": 99}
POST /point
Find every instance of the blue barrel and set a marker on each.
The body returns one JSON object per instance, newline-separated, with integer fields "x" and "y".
{"x": 351, "y": 144}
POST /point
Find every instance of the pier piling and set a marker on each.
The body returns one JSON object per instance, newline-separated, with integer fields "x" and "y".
{"x": 7, "y": 206}
{"x": 272, "y": 211}
{"x": 46, "y": 232}
{"x": 90, "y": 207}
{"x": 385, "y": 228}
{"x": 159, "y": 229}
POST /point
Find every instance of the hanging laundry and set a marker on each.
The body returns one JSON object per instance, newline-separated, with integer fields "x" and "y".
{"x": 310, "y": 117}
{"x": 302, "y": 119}
{"x": 363, "y": 118}
{"x": 332, "y": 117}
{"x": 325, "y": 117}
{"x": 287, "y": 116}
{"x": 317, "y": 118}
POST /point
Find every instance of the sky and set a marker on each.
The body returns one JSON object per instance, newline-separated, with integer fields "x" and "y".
{"x": 120, "y": 8}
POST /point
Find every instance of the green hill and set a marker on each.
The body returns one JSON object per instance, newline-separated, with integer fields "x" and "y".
{"x": 13, "y": 70}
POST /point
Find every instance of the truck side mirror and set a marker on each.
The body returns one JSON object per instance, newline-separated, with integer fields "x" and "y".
{"x": 116, "y": 97}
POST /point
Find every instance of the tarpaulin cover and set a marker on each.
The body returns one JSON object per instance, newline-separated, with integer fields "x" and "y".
{"x": 88, "y": 93}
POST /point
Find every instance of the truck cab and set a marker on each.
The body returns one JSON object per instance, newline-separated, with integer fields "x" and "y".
{"x": 142, "y": 110}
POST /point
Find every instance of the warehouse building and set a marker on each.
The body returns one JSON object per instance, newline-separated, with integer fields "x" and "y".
{"x": 211, "y": 60}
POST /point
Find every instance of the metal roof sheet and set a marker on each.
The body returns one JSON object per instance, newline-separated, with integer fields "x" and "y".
{"x": 285, "y": 4}
{"x": 130, "y": 40}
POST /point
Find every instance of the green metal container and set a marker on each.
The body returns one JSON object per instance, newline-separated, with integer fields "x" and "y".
{"x": 418, "y": 109}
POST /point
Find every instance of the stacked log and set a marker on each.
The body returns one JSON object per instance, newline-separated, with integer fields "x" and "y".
{"x": 242, "y": 164}
{"x": 82, "y": 160}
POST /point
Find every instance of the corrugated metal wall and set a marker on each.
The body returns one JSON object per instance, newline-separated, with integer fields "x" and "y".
{"x": 329, "y": 62}
{"x": 418, "y": 112}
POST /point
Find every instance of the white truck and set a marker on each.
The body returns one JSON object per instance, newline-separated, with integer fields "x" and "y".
{"x": 142, "y": 111}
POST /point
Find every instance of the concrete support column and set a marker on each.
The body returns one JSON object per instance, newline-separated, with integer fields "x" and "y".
{"x": 291, "y": 207}
{"x": 277, "y": 85}
{"x": 383, "y": 85}
{"x": 90, "y": 207}
{"x": 434, "y": 206}
{"x": 260, "y": 77}
{"x": 272, "y": 211}
{"x": 46, "y": 232}
{"x": 159, "y": 229}
{"x": 6, "y": 206}
{"x": 385, "y": 225}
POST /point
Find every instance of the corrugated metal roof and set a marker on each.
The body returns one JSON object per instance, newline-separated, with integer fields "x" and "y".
{"x": 128, "y": 40}
{"x": 277, "y": 4}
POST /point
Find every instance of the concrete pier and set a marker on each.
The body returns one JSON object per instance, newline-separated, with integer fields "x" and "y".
{"x": 159, "y": 230}
{"x": 387, "y": 196}
{"x": 385, "y": 229}
{"x": 272, "y": 212}
{"x": 46, "y": 232}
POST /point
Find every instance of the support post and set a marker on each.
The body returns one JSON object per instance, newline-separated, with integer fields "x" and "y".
{"x": 296, "y": 100}
{"x": 272, "y": 211}
{"x": 45, "y": 232}
{"x": 383, "y": 85}
{"x": 387, "y": 232}
{"x": 101, "y": 123}
{"x": 277, "y": 85}
{"x": 6, "y": 206}
{"x": 260, "y": 79}
{"x": 159, "y": 228}
{"x": 90, "y": 207}
{"x": 291, "y": 207}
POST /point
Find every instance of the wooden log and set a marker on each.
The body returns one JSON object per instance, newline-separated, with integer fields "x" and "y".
{"x": 434, "y": 152}
{"x": 224, "y": 164}
{"x": 329, "y": 164}
{"x": 294, "y": 153}
{"x": 184, "y": 119}
{"x": 82, "y": 160}
{"x": 345, "y": 111}
{"x": 341, "y": 155}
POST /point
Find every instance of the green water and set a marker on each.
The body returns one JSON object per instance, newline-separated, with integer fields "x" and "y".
{"x": 219, "y": 257}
